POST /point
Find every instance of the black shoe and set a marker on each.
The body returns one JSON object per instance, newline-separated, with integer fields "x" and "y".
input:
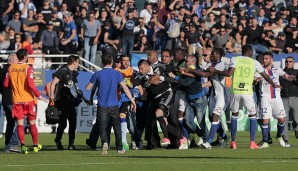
{"x": 296, "y": 134}
{"x": 90, "y": 144}
{"x": 59, "y": 146}
{"x": 72, "y": 147}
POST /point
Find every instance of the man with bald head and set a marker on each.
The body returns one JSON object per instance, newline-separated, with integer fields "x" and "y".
{"x": 11, "y": 136}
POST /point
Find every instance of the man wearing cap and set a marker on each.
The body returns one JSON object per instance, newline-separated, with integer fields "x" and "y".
{"x": 70, "y": 38}
{"x": 272, "y": 15}
{"x": 49, "y": 41}
{"x": 127, "y": 40}
{"x": 147, "y": 12}
{"x": 46, "y": 10}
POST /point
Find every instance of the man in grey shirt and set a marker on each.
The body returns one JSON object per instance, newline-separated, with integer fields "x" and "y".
{"x": 220, "y": 39}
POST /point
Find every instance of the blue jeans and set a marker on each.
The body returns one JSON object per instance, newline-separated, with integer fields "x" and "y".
{"x": 87, "y": 51}
{"x": 196, "y": 108}
{"x": 127, "y": 42}
{"x": 132, "y": 126}
{"x": 11, "y": 134}
{"x": 257, "y": 49}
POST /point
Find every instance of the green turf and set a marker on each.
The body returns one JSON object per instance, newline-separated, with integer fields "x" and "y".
{"x": 274, "y": 158}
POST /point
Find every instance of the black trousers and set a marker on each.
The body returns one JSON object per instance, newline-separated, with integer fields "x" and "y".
{"x": 68, "y": 113}
{"x": 107, "y": 116}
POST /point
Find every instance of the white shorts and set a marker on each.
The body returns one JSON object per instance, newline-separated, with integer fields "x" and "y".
{"x": 217, "y": 104}
{"x": 247, "y": 100}
{"x": 271, "y": 108}
{"x": 180, "y": 100}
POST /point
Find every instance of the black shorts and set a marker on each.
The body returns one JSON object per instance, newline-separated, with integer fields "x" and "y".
{"x": 164, "y": 102}
{"x": 124, "y": 107}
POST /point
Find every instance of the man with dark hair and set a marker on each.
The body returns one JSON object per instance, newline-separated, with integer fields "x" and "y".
{"x": 66, "y": 78}
{"x": 20, "y": 79}
{"x": 243, "y": 69}
{"x": 289, "y": 95}
{"x": 107, "y": 109}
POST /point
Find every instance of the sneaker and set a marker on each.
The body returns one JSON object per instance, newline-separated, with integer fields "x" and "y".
{"x": 125, "y": 146}
{"x": 36, "y": 148}
{"x": 183, "y": 144}
{"x": 253, "y": 145}
{"x": 165, "y": 142}
{"x": 263, "y": 145}
{"x": 120, "y": 151}
{"x": 90, "y": 144}
{"x": 24, "y": 149}
{"x": 104, "y": 149}
{"x": 71, "y": 147}
{"x": 133, "y": 145}
{"x": 201, "y": 142}
{"x": 233, "y": 145}
{"x": 281, "y": 141}
{"x": 206, "y": 145}
{"x": 14, "y": 149}
{"x": 59, "y": 146}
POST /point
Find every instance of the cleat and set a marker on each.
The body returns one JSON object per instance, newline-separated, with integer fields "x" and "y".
{"x": 90, "y": 144}
{"x": 281, "y": 141}
{"x": 125, "y": 146}
{"x": 24, "y": 149}
{"x": 121, "y": 151}
{"x": 105, "y": 148}
{"x": 71, "y": 147}
{"x": 263, "y": 145}
{"x": 37, "y": 148}
{"x": 183, "y": 144}
{"x": 201, "y": 142}
{"x": 133, "y": 145}
{"x": 253, "y": 145}
{"x": 165, "y": 142}
{"x": 233, "y": 145}
{"x": 206, "y": 145}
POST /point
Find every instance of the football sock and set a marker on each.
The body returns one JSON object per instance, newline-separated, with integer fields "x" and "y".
{"x": 221, "y": 130}
{"x": 213, "y": 129}
{"x": 163, "y": 126}
{"x": 253, "y": 128}
{"x": 265, "y": 130}
{"x": 34, "y": 134}
{"x": 172, "y": 130}
{"x": 233, "y": 127}
{"x": 21, "y": 134}
{"x": 123, "y": 129}
{"x": 280, "y": 129}
{"x": 184, "y": 130}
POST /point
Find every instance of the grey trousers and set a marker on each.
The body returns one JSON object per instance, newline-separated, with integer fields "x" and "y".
{"x": 291, "y": 107}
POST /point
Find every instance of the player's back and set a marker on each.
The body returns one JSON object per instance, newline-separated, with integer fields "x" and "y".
{"x": 19, "y": 83}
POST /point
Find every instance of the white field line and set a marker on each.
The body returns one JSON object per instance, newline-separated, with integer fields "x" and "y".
{"x": 146, "y": 163}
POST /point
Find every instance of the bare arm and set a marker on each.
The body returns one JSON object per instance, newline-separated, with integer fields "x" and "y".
{"x": 88, "y": 86}
{"x": 128, "y": 94}
{"x": 268, "y": 79}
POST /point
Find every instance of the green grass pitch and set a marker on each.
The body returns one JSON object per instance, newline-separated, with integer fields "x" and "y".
{"x": 273, "y": 158}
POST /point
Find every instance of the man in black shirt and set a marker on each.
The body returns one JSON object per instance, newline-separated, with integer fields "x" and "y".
{"x": 289, "y": 95}
{"x": 252, "y": 35}
{"x": 11, "y": 136}
{"x": 65, "y": 79}
{"x": 46, "y": 10}
{"x": 194, "y": 41}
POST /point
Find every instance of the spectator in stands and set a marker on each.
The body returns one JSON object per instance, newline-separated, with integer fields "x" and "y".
{"x": 127, "y": 41}
{"x": 79, "y": 23}
{"x": 4, "y": 43}
{"x": 29, "y": 24}
{"x": 143, "y": 45}
{"x": 140, "y": 26}
{"x": 49, "y": 41}
{"x": 178, "y": 42}
{"x": 293, "y": 7}
{"x": 284, "y": 15}
{"x": 103, "y": 16}
{"x": 57, "y": 22}
{"x": 232, "y": 9}
{"x": 42, "y": 25}
{"x": 70, "y": 38}
{"x": 280, "y": 42}
{"x": 46, "y": 10}
{"x": 25, "y": 6}
{"x": 261, "y": 17}
{"x": 292, "y": 24}
{"x": 292, "y": 42}
{"x": 277, "y": 27}
{"x": 15, "y": 23}
{"x": 118, "y": 17}
{"x": 5, "y": 11}
{"x": 220, "y": 39}
{"x": 252, "y": 36}
{"x": 211, "y": 22}
{"x": 234, "y": 21}
{"x": 234, "y": 44}
{"x": 90, "y": 30}
{"x": 222, "y": 23}
{"x": 207, "y": 37}
{"x": 85, "y": 4}
{"x": 162, "y": 11}
{"x": 194, "y": 41}
{"x": 73, "y": 6}
{"x": 64, "y": 9}
{"x": 273, "y": 15}
{"x": 267, "y": 39}
{"x": 252, "y": 9}
{"x": 147, "y": 12}
{"x": 11, "y": 39}
{"x": 27, "y": 44}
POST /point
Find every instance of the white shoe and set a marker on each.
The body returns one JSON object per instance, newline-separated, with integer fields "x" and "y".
{"x": 201, "y": 142}
{"x": 281, "y": 141}
{"x": 206, "y": 145}
{"x": 105, "y": 148}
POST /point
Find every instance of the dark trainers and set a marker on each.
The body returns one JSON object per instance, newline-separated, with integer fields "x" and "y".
{"x": 90, "y": 144}
{"x": 72, "y": 147}
{"x": 59, "y": 146}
